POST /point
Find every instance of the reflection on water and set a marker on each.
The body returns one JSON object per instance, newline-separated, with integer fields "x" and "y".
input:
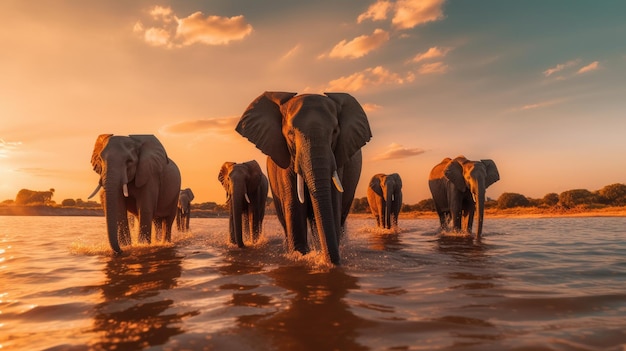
{"x": 133, "y": 314}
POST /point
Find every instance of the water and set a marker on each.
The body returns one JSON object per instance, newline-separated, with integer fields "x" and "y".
{"x": 529, "y": 284}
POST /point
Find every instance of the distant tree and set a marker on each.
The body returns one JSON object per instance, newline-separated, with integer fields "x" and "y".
{"x": 8, "y": 202}
{"x": 614, "y": 194}
{"x": 29, "y": 197}
{"x": 550, "y": 199}
{"x": 575, "y": 197}
{"x": 510, "y": 200}
{"x": 360, "y": 205}
{"x": 426, "y": 205}
{"x": 68, "y": 203}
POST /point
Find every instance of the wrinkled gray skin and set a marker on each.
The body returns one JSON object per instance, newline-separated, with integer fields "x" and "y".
{"x": 183, "y": 212}
{"x": 458, "y": 188}
{"x": 246, "y": 195}
{"x": 384, "y": 195}
{"x": 314, "y": 147}
{"x": 138, "y": 178}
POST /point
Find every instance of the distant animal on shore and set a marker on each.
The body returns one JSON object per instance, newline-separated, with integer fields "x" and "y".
{"x": 458, "y": 189}
{"x": 314, "y": 146}
{"x": 384, "y": 195}
{"x": 137, "y": 177}
{"x": 183, "y": 213}
{"x": 246, "y": 195}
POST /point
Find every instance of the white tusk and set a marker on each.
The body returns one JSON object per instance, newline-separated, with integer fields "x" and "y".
{"x": 337, "y": 182}
{"x": 125, "y": 189}
{"x": 300, "y": 185}
{"x": 393, "y": 198}
{"x": 95, "y": 191}
{"x": 247, "y": 198}
{"x": 474, "y": 197}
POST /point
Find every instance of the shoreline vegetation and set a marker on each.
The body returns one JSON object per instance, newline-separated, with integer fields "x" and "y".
{"x": 610, "y": 201}
{"x": 516, "y": 212}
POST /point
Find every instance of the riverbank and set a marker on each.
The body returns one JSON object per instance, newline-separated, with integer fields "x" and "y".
{"x": 518, "y": 212}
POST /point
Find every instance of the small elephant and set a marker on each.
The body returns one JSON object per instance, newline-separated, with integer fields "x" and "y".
{"x": 183, "y": 214}
{"x": 314, "y": 146}
{"x": 384, "y": 195}
{"x": 138, "y": 178}
{"x": 458, "y": 188}
{"x": 246, "y": 195}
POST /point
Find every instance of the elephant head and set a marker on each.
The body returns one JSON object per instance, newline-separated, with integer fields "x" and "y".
{"x": 310, "y": 139}
{"x": 246, "y": 195}
{"x": 472, "y": 178}
{"x": 384, "y": 195}
{"x": 127, "y": 164}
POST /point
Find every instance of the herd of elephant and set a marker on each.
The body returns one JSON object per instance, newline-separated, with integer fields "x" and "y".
{"x": 313, "y": 143}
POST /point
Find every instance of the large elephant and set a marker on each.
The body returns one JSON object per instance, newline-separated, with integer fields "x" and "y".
{"x": 458, "y": 188}
{"x": 384, "y": 195}
{"x": 183, "y": 213}
{"x": 314, "y": 146}
{"x": 246, "y": 195}
{"x": 138, "y": 178}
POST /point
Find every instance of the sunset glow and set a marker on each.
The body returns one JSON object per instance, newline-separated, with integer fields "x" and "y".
{"x": 543, "y": 98}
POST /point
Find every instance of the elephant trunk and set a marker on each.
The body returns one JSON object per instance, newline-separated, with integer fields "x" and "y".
{"x": 237, "y": 199}
{"x": 480, "y": 207}
{"x": 388, "y": 206}
{"x": 318, "y": 169}
{"x": 115, "y": 212}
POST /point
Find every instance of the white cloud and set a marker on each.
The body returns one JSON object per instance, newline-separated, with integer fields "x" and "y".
{"x": 376, "y": 12}
{"x": 369, "y": 77}
{"x": 433, "y": 68}
{"x": 167, "y": 30}
{"x": 291, "y": 52}
{"x": 8, "y": 146}
{"x": 432, "y": 53}
{"x": 359, "y": 46}
{"x": 590, "y": 67}
{"x": 560, "y": 67}
{"x": 411, "y": 13}
{"x": 397, "y": 151}
{"x": 223, "y": 126}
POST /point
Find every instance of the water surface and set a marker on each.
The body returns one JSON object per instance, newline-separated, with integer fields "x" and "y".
{"x": 529, "y": 284}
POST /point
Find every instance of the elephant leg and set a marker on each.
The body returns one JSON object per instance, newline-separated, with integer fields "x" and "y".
{"x": 168, "y": 223}
{"x": 179, "y": 220}
{"x": 231, "y": 229}
{"x": 123, "y": 233}
{"x": 158, "y": 229}
{"x": 145, "y": 228}
{"x": 187, "y": 219}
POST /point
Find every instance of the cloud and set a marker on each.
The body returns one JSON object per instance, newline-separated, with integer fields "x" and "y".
{"x": 222, "y": 126}
{"x": 369, "y": 77}
{"x": 369, "y": 107}
{"x": 432, "y": 53}
{"x": 8, "y": 146}
{"x": 539, "y": 105}
{"x": 359, "y": 46}
{"x": 406, "y": 13}
{"x": 291, "y": 52}
{"x": 412, "y": 13}
{"x": 376, "y": 12}
{"x": 560, "y": 67}
{"x": 167, "y": 30}
{"x": 590, "y": 67}
{"x": 433, "y": 68}
{"x": 397, "y": 151}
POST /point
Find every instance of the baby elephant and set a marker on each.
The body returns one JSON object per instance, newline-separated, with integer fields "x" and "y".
{"x": 184, "y": 209}
{"x": 384, "y": 195}
{"x": 246, "y": 194}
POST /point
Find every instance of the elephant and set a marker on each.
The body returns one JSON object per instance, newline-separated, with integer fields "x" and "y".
{"x": 246, "y": 195}
{"x": 313, "y": 143}
{"x": 384, "y": 195}
{"x": 137, "y": 178}
{"x": 458, "y": 187}
{"x": 183, "y": 213}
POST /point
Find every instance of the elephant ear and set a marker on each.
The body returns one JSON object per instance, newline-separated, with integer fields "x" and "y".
{"x": 375, "y": 184}
{"x": 262, "y": 124}
{"x": 152, "y": 158}
{"x": 96, "y": 160}
{"x": 190, "y": 194}
{"x": 398, "y": 180}
{"x": 492, "y": 172}
{"x": 353, "y": 125}
{"x": 226, "y": 167}
{"x": 454, "y": 173}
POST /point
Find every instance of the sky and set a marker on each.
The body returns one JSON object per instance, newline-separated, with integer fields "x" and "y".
{"x": 537, "y": 86}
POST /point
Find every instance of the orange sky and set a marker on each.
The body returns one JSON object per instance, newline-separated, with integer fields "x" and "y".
{"x": 542, "y": 98}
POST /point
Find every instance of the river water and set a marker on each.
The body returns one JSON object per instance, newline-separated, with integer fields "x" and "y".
{"x": 528, "y": 284}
